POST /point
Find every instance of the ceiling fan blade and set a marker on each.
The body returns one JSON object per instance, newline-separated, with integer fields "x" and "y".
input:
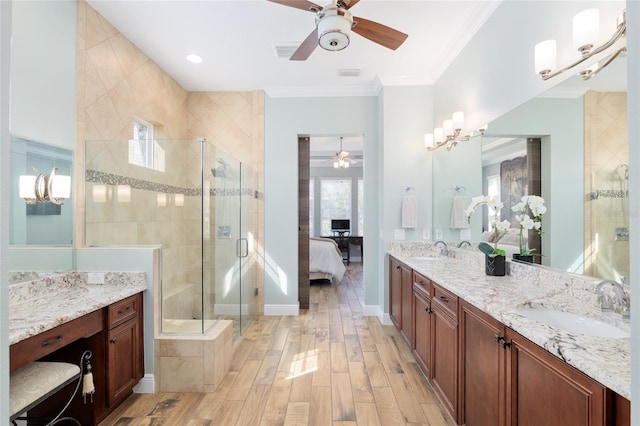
{"x": 299, "y": 4}
{"x": 348, "y": 4}
{"x": 306, "y": 48}
{"x": 378, "y": 33}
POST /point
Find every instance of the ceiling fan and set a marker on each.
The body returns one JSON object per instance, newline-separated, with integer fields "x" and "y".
{"x": 334, "y": 23}
{"x": 342, "y": 160}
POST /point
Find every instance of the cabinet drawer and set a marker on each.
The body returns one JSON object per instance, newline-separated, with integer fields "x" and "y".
{"x": 423, "y": 282}
{"x": 446, "y": 300}
{"x": 123, "y": 310}
{"x": 33, "y": 348}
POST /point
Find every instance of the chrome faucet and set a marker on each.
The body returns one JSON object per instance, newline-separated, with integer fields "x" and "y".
{"x": 606, "y": 304}
{"x": 444, "y": 251}
{"x": 462, "y": 243}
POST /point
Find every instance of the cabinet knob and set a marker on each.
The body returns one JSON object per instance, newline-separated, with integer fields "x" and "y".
{"x": 444, "y": 299}
{"x": 397, "y": 266}
{"x": 427, "y": 309}
{"x": 113, "y": 340}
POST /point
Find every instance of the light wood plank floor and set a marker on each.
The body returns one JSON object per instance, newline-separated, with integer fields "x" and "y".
{"x": 328, "y": 366}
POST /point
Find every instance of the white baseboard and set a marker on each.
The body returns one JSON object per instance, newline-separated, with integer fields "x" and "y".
{"x": 376, "y": 311}
{"x": 281, "y": 310}
{"x": 372, "y": 311}
{"x": 230, "y": 309}
{"x": 386, "y": 319}
{"x": 146, "y": 385}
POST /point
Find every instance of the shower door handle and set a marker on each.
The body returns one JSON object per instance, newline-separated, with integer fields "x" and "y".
{"x": 242, "y": 247}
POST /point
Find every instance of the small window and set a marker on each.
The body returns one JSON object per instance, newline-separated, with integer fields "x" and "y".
{"x": 144, "y": 150}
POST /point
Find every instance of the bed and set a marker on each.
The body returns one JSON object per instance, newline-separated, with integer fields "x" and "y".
{"x": 325, "y": 260}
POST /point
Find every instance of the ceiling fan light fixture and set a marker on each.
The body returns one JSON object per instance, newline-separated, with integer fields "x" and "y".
{"x": 334, "y": 26}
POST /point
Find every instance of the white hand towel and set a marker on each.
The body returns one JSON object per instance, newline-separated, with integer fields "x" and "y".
{"x": 409, "y": 211}
{"x": 458, "y": 218}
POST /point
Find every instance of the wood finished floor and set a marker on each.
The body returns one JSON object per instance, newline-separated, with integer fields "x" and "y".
{"x": 328, "y": 366}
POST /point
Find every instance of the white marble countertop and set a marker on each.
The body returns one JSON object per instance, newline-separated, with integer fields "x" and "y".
{"x": 606, "y": 360}
{"x": 40, "y": 305}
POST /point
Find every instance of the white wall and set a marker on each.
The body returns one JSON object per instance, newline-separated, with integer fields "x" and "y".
{"x": 462, "y": 166}
{"x": 43, "y": 71}
{"x": 5, "y": 149}
{"x": 285, "y": 119}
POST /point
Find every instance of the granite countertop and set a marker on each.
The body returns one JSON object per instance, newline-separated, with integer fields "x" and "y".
{"x": 606, "y": 360}
{"x": 43, "y": 304}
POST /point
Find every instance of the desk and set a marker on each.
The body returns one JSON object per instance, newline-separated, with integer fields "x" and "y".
{"x": 344, "y": 241}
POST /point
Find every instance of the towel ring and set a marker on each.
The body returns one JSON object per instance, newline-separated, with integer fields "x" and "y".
{"x": 461, "y": 189}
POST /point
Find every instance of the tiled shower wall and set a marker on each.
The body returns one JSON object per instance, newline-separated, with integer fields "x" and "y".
{"x": 115, "y": 82}
{"x": 606, "y": 148}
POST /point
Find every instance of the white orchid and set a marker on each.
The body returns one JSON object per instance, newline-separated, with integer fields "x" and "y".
{"x": 529, "y": 204}
{"x": 494, "y": 206}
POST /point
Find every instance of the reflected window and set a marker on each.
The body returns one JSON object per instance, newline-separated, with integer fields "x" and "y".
{"x": 144, "y": 150}
{"x": 493, "y": 190}
{"x": 312, "y": 204}
{"x": 360, "y": 207}
{"x": 335, "y": 202}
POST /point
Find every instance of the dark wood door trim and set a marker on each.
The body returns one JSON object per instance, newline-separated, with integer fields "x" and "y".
{"x": 303, "y": 221}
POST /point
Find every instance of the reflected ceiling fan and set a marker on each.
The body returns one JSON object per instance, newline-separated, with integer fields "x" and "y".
{"x": 342, "y": 160}
{"x": 334, "y": 24}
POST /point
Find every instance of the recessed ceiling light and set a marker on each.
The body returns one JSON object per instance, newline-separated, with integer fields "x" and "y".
{"x": 194, "y": 58}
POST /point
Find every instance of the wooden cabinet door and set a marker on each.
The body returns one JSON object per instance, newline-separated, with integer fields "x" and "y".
{"x": 544, "y": 390}
{"x": 482, "y": 368}
{"x": 422, "y": 331}
{"x": 445, "y": 358}
{"x": 395, "y": 292}
{"x": 123, "y": 360}
{"x": 406, "y": 324}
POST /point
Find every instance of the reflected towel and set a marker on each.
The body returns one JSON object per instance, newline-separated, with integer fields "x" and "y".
{"x": 458, "y": 218}
{"x": 409, "y": 211}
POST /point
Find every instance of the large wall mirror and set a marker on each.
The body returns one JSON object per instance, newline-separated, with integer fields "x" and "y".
{"x": 43, "y": 86}
{"x": 582, "y": 131}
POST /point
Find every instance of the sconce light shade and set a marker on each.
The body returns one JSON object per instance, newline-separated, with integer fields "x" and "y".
{"x": 60, "y": 186}
{"x": 162, "y": 200}
{"x": 27, "y": 187}
{"x": 458, "y": 120}
{"x": 179, "y": 200}
{"x": 438, "y": 135}
{"x": 428, "y": 140}
{"x": 586, "y": 30}
{"x": 545, "y": 56}
{"x": 447, "y": 126}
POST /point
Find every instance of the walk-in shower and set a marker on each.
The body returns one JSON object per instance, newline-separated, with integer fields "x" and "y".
{"x": 194, "y": 200}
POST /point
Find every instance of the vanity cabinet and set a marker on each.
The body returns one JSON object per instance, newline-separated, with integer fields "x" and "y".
{"x": 422, "y": 347}
{"x": 482, "y": 368}
{"x": 542, "y": 389}
{"x": 115, "y": 337}
{"x": 508, "y": 380}
{"x": 444, "y": 371}
{"x": 125, "y": 365}
{"x": 401, "y": 297}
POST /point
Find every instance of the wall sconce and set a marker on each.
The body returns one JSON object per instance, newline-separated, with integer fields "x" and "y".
{"x": 45, "y": 187}
{"x": 586, "y": 32}
{"x": 449, "y": 134}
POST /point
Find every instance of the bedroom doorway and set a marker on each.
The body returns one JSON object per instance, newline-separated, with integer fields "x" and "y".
{"x": 330, "y": 190}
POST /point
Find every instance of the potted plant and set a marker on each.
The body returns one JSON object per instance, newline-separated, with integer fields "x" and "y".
{"x": 494, "y": 256}
{"x": 530, "y": 210}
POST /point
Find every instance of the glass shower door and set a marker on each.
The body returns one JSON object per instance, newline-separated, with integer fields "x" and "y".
{"x": 230, "y": 259}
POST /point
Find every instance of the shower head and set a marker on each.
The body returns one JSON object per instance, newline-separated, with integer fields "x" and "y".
{"x": 221, "y": 170}
{"x": 626, "y": 169}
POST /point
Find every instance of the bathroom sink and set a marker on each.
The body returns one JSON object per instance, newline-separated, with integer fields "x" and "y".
{"x": 573, "y": 323}
{"x": 419, "y": 258}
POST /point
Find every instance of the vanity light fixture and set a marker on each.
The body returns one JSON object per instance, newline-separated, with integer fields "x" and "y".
{"x": 449, "y": 134}
{"x": 45, "y": 187}
{"x": 586, "y": 32}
